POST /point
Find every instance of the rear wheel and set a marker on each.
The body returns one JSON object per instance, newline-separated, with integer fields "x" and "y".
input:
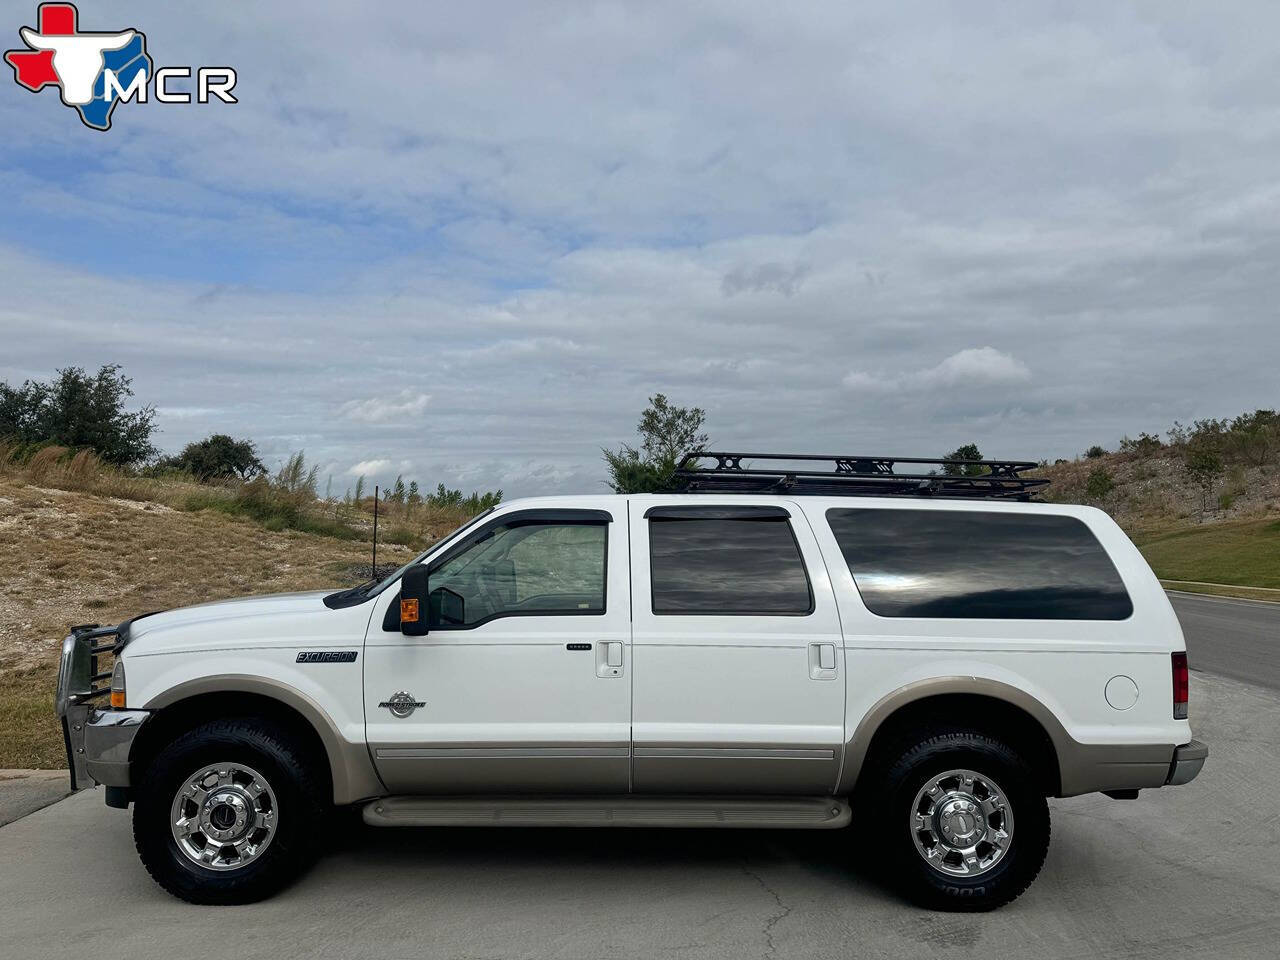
{"x": 966, "y": 822}
{"x": 228, "y": 813}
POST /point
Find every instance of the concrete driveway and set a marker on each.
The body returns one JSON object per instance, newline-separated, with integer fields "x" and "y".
{"x": 1187, "y": 872}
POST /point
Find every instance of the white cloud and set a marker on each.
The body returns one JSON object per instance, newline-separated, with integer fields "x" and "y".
{"x": 404, "y": 404}
{"x": 857, "y": 380}
{"x": 369, "y": 468}
{"x": 979, "y": 366}
{"x": 976, "y": 366}
{"x": 860, "y": 193}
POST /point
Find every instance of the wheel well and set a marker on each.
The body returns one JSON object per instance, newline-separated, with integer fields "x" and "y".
{"x": 177, "y": 718}
{"x": 989, "y": 715}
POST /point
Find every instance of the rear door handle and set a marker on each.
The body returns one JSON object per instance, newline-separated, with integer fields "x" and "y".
{"x": 822, "y": 661}
{"x": 609, "y": 656}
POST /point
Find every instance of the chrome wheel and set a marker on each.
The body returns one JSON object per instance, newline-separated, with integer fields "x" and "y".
{"x": 962, "y": 823}
{"x": 223, "y": 816}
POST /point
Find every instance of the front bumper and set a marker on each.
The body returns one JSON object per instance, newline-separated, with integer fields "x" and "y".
{"x": 1188, "y": 760}
{"x": 98, "y": 744}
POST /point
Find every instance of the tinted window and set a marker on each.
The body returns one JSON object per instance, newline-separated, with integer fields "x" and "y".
{"x": 522, "y": 568}
{"x": 1003, "y": 566}
{"x": 727, "y": 566}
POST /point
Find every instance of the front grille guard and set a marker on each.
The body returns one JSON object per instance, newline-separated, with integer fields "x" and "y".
{"x": 88, "y": 657}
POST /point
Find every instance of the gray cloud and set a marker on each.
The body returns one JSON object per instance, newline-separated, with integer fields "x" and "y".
{"x": 898, "y": 229}
{"x": 775, "y": 277}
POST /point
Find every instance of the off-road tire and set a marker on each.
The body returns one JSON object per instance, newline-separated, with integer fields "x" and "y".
{"x": 906, "y": 767}
{"x": 301, "y": 797}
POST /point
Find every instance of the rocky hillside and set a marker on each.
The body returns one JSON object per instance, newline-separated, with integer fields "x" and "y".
{"x": 1146, "y": 494}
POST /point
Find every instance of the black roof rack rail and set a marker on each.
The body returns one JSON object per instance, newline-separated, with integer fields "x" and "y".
{"x": 853, "y": 475}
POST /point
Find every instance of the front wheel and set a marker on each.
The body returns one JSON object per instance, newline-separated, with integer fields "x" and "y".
{"x": 227, "y": 813}
{"x": 966, "y": 823}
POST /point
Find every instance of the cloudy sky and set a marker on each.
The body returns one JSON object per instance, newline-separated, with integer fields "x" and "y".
{"x": 466, "y": 241}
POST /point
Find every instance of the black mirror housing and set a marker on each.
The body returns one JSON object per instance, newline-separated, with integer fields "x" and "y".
{"x": 414, "y": 603}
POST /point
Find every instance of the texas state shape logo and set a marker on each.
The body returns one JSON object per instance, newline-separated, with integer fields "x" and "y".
{"x": 80, "y": 63}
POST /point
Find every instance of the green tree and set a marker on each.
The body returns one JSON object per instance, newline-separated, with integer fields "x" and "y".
{"x": 1099, "y": 484}
{"x": 218, "y": 457}
{"x": 398, "y": 492}
{"x": 1146, "y": 445}
{"x": 81, "y": 411}
{"x": 667, "y": 433}
{"x": 969, "y": 451}
{"x": 473, "y": 504}
{"x": 1203, "y": 467}
{"x": 1094, "y": 452}
{"x": 1255, "y": 436}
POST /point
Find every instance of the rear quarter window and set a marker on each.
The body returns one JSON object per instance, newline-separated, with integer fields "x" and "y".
{"x": 962, "y": 564}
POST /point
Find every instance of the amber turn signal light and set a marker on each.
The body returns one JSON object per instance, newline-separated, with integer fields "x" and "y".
{"x": 408, "y": 610}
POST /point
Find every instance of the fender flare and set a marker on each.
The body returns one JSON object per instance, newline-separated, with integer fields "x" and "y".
{"x": 1082, "y": 768}
{"x": 354, "y": 777}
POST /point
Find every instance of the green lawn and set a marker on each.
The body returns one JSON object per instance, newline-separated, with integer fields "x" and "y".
{"x": 1245, "y": 552}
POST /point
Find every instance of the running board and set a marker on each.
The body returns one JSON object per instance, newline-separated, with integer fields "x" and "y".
{"x": 805, "y": 813}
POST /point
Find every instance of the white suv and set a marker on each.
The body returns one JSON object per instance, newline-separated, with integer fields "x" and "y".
{"x": 926, "y": 657}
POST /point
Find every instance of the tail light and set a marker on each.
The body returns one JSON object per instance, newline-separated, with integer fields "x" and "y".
{"x": 1181, "y": 686}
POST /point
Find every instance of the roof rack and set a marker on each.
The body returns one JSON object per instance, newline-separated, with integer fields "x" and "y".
{"x": 841, "y": 475}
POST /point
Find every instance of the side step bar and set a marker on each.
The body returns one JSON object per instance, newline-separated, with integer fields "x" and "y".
{"x": 805, "y": 813}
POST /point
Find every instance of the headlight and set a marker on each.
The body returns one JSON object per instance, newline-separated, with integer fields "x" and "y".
{"x": 117, "y": 685}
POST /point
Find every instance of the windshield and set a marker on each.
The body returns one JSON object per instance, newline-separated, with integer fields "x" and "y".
{"x": 382, "y": 585}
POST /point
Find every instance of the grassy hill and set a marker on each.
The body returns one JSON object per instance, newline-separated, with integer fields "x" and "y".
{"x": 1227, "y": 532}
{"x": 112, "y": 546}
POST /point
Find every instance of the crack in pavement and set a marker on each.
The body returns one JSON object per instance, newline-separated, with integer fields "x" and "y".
{"x": 774, "y": 919}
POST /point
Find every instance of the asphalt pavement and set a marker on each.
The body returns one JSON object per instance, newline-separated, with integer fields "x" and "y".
{"x": 1192, "y": 871}
{"x": 1232, "y": 638}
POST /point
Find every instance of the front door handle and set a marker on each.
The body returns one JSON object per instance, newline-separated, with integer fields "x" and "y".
{"x": 609, "y": 656}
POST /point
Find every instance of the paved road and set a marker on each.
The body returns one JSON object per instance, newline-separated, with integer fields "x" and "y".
{"x": 1187, "y": 872}
{"x": 1232, "y": 638}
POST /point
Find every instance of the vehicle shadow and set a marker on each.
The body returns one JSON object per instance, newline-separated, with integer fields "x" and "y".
{"x": 826, "y": 855}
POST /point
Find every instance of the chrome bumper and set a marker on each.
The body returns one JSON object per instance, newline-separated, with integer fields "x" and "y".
{"x": 1188, "y": 759}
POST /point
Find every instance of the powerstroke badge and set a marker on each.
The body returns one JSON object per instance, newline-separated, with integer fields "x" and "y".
{"x": 327, "y": 656}
{"x": 401, "y": 704}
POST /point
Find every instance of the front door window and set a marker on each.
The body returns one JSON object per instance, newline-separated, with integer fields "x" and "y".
{"x": 522, "y": 569}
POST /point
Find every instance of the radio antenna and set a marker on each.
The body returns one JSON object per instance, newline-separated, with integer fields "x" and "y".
{"x": 374, "y": 571}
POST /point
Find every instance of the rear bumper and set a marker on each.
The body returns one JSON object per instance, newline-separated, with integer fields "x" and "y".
{"x": 1188, "y": 760}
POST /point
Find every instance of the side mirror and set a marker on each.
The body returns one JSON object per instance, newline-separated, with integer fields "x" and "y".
{"x": 414, "y": 605}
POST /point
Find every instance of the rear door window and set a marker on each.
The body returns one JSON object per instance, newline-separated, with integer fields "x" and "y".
{"x": 734, "y": 561}
{"x": 978, "y": 565}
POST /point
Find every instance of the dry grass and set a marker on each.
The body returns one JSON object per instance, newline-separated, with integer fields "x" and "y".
{"x": 70, "y": 556}
{"x": 277, "y": 504}
{"x": 57, "y": 467}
